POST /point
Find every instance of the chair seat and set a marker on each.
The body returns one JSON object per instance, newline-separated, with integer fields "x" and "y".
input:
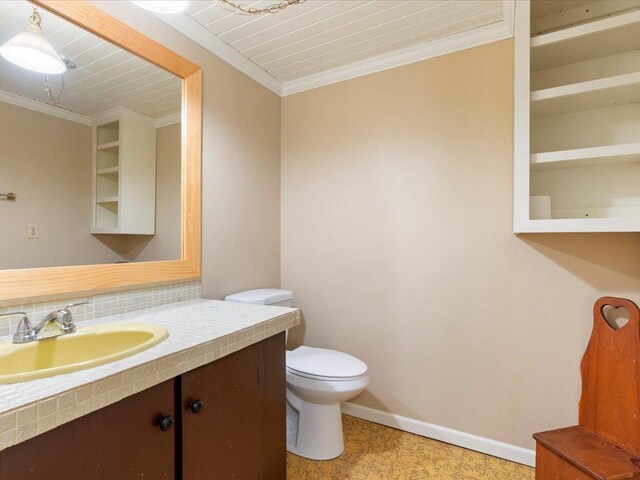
{"x": 590, "y": 453}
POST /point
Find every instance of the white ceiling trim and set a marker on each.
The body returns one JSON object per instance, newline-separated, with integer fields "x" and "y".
{"x": 25, "y": 102}
{"x": 453, "y": 43}
{"x": 199, "y": 34}
{"x": 105, "y": 117}
{"x": 415, "y": 53}
{"x": 167, "y": 120}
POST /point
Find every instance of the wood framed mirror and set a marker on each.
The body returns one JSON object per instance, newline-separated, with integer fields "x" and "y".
{"x": 25, "y": 285}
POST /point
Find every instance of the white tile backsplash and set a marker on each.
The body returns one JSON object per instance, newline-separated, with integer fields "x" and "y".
{"x": 104, "y": 305}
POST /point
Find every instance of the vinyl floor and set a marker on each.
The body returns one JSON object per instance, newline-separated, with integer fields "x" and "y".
{"x": 376, "y": 452}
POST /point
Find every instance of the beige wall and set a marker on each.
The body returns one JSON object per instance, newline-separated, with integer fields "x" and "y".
{"x": 46, "y": 161}
{"x": 396, "y": 239}
{"x": 166, "y": 243}
{"x": 241, "y": 165}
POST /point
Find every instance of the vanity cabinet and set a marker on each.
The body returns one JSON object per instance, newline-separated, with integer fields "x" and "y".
{"x": 577, "y": 116}
{"x": 234, "y": 416}
{"x": 224, "y": 420}
{"x": 122, "y": 441}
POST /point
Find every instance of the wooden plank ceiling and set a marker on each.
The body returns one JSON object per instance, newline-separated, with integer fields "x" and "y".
{"x": 320, "y": 35}
{"x": 106, "y": 77}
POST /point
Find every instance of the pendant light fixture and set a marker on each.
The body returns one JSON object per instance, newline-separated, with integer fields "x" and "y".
{"x": 244, "y": 9}
{"x": 163, "y": 6}
{"x": 31, "y": 50}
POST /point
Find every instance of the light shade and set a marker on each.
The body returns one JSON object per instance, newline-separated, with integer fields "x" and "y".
{"x": 163, "y": 6}
{"x": 31, "y": 50}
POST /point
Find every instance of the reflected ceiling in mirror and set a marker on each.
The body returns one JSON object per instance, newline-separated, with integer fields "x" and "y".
{"x": 93, "y": 155}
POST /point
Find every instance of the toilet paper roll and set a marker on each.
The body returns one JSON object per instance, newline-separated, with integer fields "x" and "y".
{"x": 539, "y": 207}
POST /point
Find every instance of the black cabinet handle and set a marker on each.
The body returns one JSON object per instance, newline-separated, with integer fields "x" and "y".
{"x": 196, "y": 406}
{"x": 166, "y": 423}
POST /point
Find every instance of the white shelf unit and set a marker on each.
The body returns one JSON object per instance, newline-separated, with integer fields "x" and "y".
{"x": 124, "y": 176}
{"x": 583, "y": 157}
{"x": 112, "y": 146}
{"x": 577, "y": 115}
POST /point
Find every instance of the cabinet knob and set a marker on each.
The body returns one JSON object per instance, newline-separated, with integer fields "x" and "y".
{"x": 196, "y": 406}
{"x": 166, "y": 423}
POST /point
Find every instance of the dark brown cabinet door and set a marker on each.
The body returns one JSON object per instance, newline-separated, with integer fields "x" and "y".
{"x": 230, "y": 424}
{"x": 222, "y": 440}
{"x": 233, "y": 418}
{"x": 122, "y": 441}
{"x": 274, "y": 409}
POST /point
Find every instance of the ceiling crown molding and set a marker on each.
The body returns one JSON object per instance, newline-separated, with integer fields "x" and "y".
{"x": 89, "y": 120}
{"x": 170, "y": 119}
{"x": 199, "y": 34}
{"x": 415, "y": 53}
{"x": 45, "y": 108}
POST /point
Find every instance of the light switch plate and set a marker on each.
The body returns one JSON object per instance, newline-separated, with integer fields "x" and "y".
{"x": 32, "y": 232}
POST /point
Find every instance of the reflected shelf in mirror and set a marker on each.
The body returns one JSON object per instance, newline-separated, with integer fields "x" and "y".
{"x": 96, "y": 172}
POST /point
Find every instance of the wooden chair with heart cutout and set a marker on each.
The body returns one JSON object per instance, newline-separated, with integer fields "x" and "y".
{"x": 605, "y": 445}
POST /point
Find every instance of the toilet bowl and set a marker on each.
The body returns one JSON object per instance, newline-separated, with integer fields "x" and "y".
{"x": 318, "y": 379}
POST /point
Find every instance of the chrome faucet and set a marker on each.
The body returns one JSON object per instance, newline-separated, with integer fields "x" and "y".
{"x": 59, "y": 322}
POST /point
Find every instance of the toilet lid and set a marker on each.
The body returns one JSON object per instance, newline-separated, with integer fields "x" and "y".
{"x": 321, "y": 362}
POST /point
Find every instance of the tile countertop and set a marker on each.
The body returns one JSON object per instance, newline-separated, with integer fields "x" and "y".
{"x": 200, "y": 331}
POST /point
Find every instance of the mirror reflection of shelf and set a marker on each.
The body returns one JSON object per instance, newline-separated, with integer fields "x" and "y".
{"x": 107, "y": 159}
{"x": 107, "y": 199}
{"x": 109, "y": 146}
{"x": 108, "y": 133}
{"x": 107, "y": 180}
{"x": 108, "y": 171}
{"x": 124, "y": 175}
{"x": 106, "y": 217}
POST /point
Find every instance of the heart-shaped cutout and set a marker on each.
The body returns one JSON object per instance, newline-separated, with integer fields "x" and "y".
{"x": 616, "y": 317}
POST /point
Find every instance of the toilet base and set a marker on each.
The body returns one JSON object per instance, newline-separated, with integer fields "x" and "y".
{"x": 314, "y": 430}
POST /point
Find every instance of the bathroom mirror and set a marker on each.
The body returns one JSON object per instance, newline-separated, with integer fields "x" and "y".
{"x": 100, "y": 155}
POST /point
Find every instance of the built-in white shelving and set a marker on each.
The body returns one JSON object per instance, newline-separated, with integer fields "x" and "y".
{"x": 577, "y": 116}
{"x": 595, "y": 39}
{"x": 109, "y": 145}
{"x": 124, "y": 176}
{"x": 582, "y": 157}
{"x": 108, "y": 171}
{"x": 599, "y": 93}
{"x": 111, "y": 199}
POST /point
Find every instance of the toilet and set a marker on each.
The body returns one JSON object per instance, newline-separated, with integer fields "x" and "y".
{"x": 318, "y": 379}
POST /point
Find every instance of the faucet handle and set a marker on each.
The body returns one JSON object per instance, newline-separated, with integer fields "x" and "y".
{"x": 66, "y": 317}
{"x": 25, "y": 332}
{"x": 71, "y": 305}
{"x": 11, "y": 314}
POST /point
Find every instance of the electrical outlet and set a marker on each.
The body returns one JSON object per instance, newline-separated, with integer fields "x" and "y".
{"x": 32, "y": 232}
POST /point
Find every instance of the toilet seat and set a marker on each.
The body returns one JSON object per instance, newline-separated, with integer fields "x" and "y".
{"x": 324, "y": 365}
{"x": 321, "y": 378}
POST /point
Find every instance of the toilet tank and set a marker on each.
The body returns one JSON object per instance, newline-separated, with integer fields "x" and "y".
{"x": 263, "y": 296}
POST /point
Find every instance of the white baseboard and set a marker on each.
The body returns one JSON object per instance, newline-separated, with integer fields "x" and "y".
{"x": 443, "y": 434}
